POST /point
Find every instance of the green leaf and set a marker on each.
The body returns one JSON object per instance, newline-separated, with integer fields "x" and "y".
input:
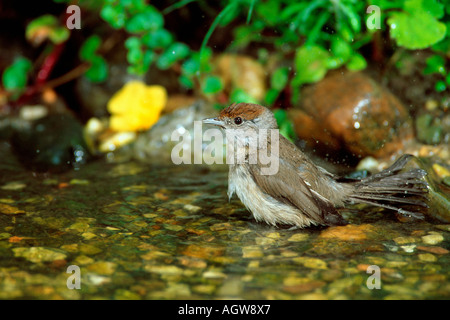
{"x": 148, "y": 20}
{"x": 440, "y": 86}
{"x": 178, "y": 50}
{"x": 341, "y": 48}
{"x": 59, "y": 35}
{"x": 357, "y": 62}
{"x": 15, "y": 76}
{"x": 417, "y": 30}
{"x": 433, "y": 7}
{"x": 190, "y": 67}
{"x": 47, "y": 25}
{"x": 135, "y": 55}
{"x": 158, "y": 39}
{"x": 270, "y": 11}
{"x": 239, "y": 95}
{"x": 114, "y": 15}
{"x": 271, "y": 96}
{"x": 212, "y": 85}
{"x": 186, "y": 82}
{"x": 287, "y": 130}
{"x": 280, "y": 115}
{"x": 280, "y": 78}
{"x": 132, "y": 42}
{"x": 435, "y": 64}
{"x": 47, "y": 20}
{"x": 98, "y": 72}
{"x": 89, "y": 47}
{"x": 311, "y": 64}
{"x": 352, "y": 16}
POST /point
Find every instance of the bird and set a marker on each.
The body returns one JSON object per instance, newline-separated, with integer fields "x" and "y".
{"x": 300, "y": 193}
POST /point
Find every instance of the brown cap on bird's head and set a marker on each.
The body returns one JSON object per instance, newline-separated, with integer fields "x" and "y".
{"x": 251, "y": 114}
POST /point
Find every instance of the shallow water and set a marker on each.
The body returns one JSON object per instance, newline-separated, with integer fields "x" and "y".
{"x": 139, "y": 231}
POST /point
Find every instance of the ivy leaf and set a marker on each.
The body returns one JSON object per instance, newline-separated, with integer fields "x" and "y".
{"x": 212, "y": 85}
{"x": 87, "y": 51}
{"x": 432, "y": 7}
{"x": 239, "y": 95}
{"x": 417, "y": 30}
{"x": 157, "y": 39}
{"x": 280, "y": 78}
{"x": 356, "y": 63}
{"x": 176, "y": 51}
{"x": 435, "y": 64}
{"x": 271, "y": 96}
{"x": 98, "y": 72}
{"x": 114, "y": 15}
{"x": 148, "y": 20}
{"x": 46, "y": 27}
{"x": 311, "y": 64}
{"x": 15, "y": 76}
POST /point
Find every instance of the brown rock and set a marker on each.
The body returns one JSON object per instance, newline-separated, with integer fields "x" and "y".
{"x": 349, "y": 110}
{"x": 304, "y": 287}
{"x": 349, "y": 232}
{"x": 242, "y": 72}
{"x": 435, "y": 250}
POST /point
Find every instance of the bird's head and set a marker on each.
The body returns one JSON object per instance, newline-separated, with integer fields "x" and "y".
{"x": 244, "y": 116}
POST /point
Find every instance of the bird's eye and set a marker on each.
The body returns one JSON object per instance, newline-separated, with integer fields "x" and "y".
{"x": 238, "y": 120}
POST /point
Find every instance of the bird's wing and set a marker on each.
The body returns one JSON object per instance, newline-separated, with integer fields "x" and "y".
{"x": 292, "y": 190}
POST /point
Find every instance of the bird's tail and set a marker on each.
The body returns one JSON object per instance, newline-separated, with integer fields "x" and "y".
{"x": 404, "y": 191}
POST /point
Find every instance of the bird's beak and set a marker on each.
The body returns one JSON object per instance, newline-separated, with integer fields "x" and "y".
{"x": 214, "y": 121}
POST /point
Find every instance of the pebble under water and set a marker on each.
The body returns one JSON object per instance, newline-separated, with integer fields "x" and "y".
{"x": 139, "y": 231}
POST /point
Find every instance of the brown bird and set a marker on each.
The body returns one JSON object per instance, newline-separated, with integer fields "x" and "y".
{"x": 294, "y": 191}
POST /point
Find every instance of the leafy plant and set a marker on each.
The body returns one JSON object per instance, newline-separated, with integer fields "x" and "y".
{"x": 14, "y": 78}
{"x": 98, "y": 70}
{"x": 310, "y": 37}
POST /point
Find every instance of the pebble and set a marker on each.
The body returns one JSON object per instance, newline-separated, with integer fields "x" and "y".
{"x": 404, "y": 240}
{"x": 10, "y": 210}
{"x": 252, "y": 252}
{"x": 79, "y": 182}
{"x": 230, "y": 288}
{"x": 313, "y": 263}
{"x": 409, "y": 248}
{"x": 214, "y": 274}
{"x": 123, "y": 294}
{"x": 432, "y": 239}
{"x": 298, "y": 237}
{"x": 192, "y": 208}
{"x": 427, "y": 257}
{"x": 82, "y": 260}
{"x": 304, "y": 287}
{"x": 14, "y": 186}
{"x": 39, "y": 254}
{"x": 104, "y": 268}
{"x": 163, "y": 269}
{"x": 88, "y": 249}
{"x": 349, "y": 232}
{"x": 435, "y": 250}
{"x": 204, "y": 289}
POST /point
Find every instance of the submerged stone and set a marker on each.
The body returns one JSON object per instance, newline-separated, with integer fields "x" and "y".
{"x": 39, "y": 254}
{"x": 54, "y": 143}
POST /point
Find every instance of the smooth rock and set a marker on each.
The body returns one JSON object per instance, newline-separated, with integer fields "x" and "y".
{"x": 349, "y": 110}
{"x": 39, "y": 254}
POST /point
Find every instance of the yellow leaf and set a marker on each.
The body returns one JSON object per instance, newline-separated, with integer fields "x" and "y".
{"x": 136, "y": 106}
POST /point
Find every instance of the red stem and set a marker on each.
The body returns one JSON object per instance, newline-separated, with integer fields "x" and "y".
{"x": 49, "y": 63}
